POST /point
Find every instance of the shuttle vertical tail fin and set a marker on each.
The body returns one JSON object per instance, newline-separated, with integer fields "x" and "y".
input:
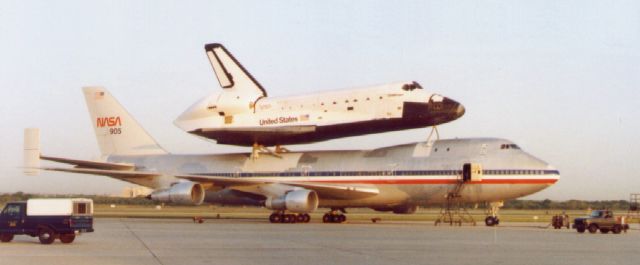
{"x": 230, "y": 73}
{"x": 116, "y": 130}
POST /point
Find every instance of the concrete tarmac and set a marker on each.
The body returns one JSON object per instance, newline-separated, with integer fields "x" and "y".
{"x": 181, "y": 242}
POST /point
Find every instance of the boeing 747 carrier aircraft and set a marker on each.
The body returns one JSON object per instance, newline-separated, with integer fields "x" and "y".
{"x": 294, "y": 184}
{"x": 242, "y": 114}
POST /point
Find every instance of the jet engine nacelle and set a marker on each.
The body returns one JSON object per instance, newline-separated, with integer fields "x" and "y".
{"x": 400, "y": 209}
{"x": 405, "y": 209}
{"x": 297, "y": 201}
{"x": 187, "y": 193}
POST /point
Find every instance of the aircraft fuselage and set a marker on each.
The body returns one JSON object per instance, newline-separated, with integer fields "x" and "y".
{"x": 411, "y": 174}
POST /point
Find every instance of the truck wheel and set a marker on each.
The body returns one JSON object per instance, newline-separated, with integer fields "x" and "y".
{"x": 604, "y": 230}
{"x": 6, "y": 237}
{"x": 46, "y": 235}
{"x": 593, "y": 228}
{"x": 67, "y": 238}
{"x": 616, "y": 229}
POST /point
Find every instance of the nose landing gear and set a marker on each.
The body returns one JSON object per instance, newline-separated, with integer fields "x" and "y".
{"x": 492, "y": 212}
{"x": 491, "y": 221}
{"x": 288, "y": 218}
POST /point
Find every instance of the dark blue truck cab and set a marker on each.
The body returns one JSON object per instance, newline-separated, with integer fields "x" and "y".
{"x": 47, "y": 219}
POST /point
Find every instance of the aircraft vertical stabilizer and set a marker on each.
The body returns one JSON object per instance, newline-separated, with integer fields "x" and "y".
{"x": 231, "y": 75}
{"x": 31, "y": 151}
{"x": 116, "y": 130}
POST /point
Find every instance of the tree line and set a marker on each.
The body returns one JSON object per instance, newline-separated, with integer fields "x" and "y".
{"x": 97, "y": 199}
{"x": 511, "y": 204}
{"x": 566, "y": 205}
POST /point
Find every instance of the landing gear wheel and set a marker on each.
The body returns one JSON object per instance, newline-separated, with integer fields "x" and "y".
{"x": 326, "y": 218}
{"x": 307, "y": 218}
{"x": 67, "y": 238}
{"x": 288, "y": 218}
{"x": 616, "y": 229}
{"x": 335, "y": 219}
{"x": 491, "y": 221}
{"x": 275, "y": 218}
{"x": 6, "y": 237}
{"x": 593, "y": 228}
{"x": 342, "y": 218}
{"x": 300, "y": 218}
{"x": 492, "y": 213}
{"x": 46, "y": 235}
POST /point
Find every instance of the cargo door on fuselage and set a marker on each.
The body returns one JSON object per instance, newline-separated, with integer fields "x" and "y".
{"x": 472, "y": 172}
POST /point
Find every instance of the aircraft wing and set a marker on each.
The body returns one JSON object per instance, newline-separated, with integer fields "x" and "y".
{"x": 324, "y": 190}
{"x": 339, "y": 191}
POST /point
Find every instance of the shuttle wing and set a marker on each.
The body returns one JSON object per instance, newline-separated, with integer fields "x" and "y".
{"x": 250, "y": 135}
{"x": 279, "y": 129}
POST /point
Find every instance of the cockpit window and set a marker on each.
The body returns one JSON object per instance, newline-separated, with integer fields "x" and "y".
{"x": 412, "y": 86}
{"x": 509, "y": 146}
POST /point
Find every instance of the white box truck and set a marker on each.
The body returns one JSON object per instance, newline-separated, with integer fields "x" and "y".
{"x": 47, "y": 219}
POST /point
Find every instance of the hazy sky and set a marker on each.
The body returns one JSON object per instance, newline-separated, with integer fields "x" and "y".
{"x": 559, "y": 78}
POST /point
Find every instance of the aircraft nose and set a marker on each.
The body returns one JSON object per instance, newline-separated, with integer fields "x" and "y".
{"x": 459, "y": 111}
{"x": 553, "y": 172}
{"x": 453, "y": 108}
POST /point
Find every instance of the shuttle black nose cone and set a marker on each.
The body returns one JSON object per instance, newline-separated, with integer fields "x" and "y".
{"x": 452, "y": 108}
{"x": 437, "y": 110}
{"x": 459, "y": 111}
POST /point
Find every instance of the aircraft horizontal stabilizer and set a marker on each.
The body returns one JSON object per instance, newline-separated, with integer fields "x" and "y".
{"x": 118, "y": 174}
{"x": 90, "y": 164}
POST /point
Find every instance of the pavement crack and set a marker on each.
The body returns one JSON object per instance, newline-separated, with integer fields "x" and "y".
{"x": 143, "y": 243}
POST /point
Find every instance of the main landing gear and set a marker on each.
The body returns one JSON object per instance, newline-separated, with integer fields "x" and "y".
{"x": 492, "y": 212}
{"x": 334, "y": 216}
{"x": 289, "y": 218}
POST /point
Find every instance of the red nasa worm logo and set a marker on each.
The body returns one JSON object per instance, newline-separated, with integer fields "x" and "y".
{"x": 113, "y": 123}
{"x": 108, "y": 121}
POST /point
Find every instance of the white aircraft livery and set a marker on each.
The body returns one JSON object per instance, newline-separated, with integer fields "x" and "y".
{"x": 294, "y": 184}
{"x": 242, "y": 114}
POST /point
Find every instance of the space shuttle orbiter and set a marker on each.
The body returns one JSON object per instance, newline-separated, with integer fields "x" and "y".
{"x": 242, "y": 114}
